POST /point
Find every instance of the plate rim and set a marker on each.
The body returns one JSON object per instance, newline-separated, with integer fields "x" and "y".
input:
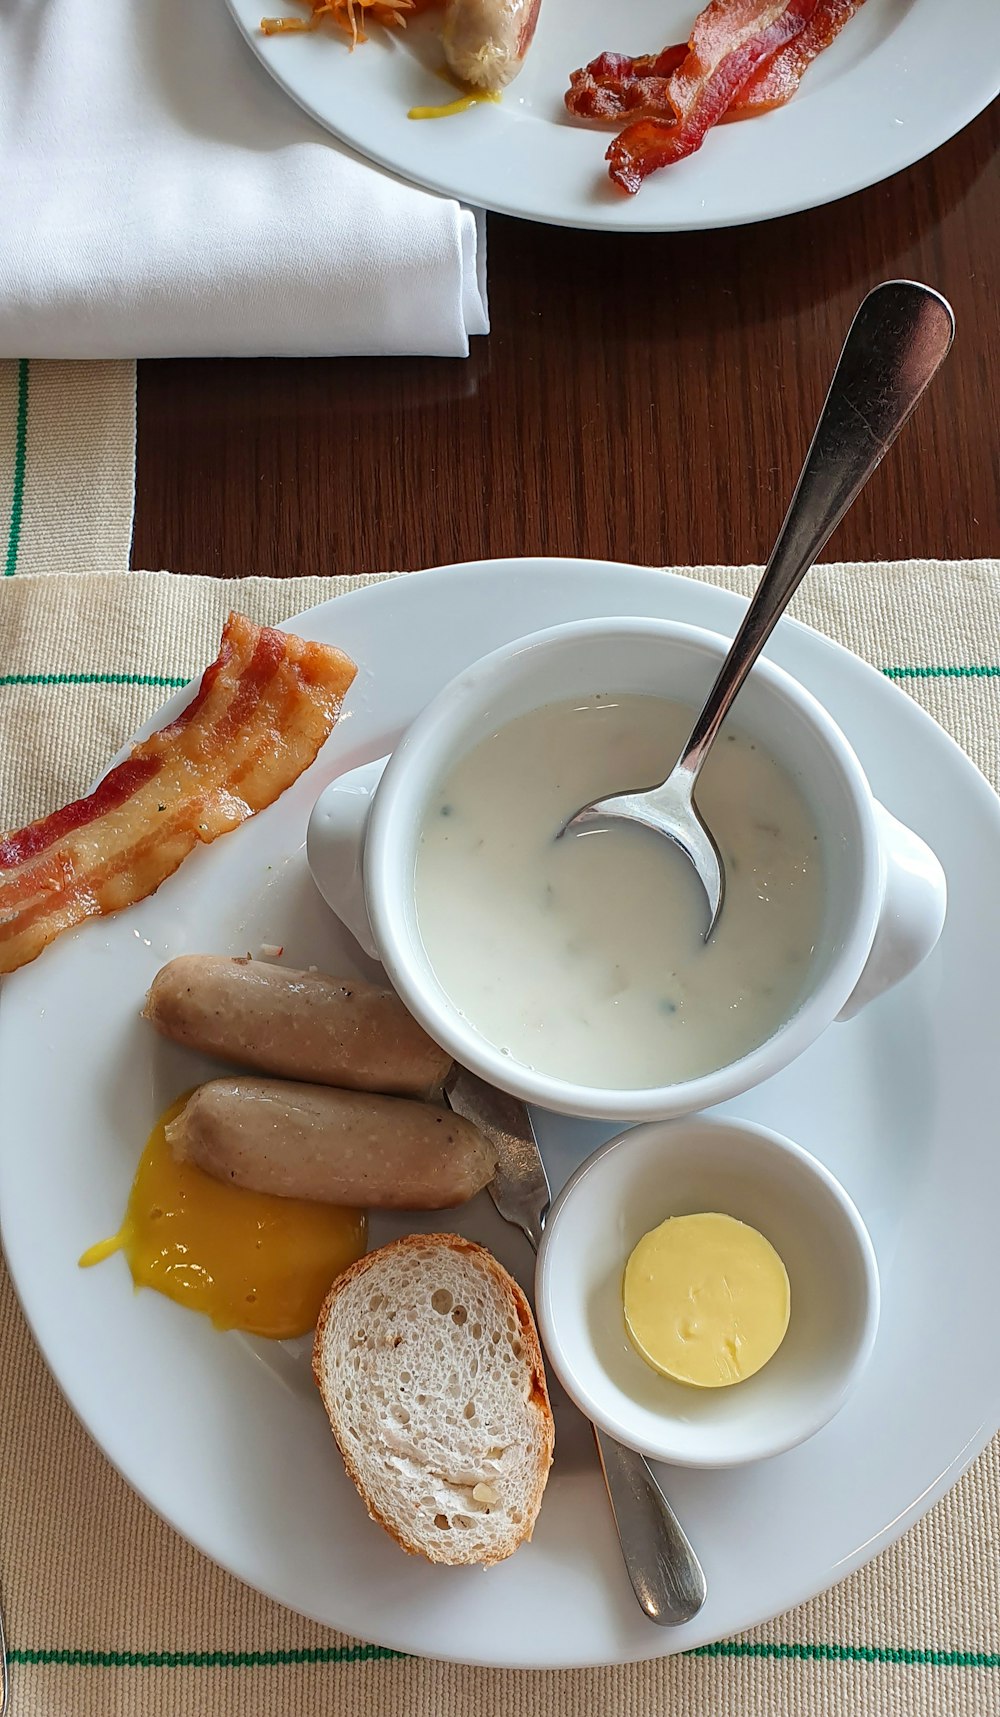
{"x": 968, "y": 110}
{"x": 963, "y": 1458}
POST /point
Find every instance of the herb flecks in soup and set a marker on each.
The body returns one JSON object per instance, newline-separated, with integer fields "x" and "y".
{"x": 584, "y": 958}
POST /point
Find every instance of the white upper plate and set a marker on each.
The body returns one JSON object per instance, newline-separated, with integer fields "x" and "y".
{"x": 903, "y": 76}
{"x": 227, "y": 1438}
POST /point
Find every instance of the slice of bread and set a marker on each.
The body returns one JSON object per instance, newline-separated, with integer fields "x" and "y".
{"x": 430, "y": 1369}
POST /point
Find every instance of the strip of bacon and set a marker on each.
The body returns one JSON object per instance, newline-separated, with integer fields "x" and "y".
{"x": 730, "y": 41}
{"x": 777, "y": 81}
{"x": 617, "y": 84}
{"x": 263, "y": 709}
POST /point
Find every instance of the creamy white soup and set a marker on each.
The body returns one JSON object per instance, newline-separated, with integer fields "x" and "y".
{"x": 585, "y": 958}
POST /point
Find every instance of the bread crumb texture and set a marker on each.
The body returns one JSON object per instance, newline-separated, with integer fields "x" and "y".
{"x": 431, "y": 1372}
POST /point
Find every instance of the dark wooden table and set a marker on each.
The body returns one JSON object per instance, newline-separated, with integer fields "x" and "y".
{"x": 642, "y": 398}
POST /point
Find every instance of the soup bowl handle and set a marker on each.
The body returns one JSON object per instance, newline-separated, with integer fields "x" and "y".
{"x": 914, "y": 902}
{"x": 335, "y": 848}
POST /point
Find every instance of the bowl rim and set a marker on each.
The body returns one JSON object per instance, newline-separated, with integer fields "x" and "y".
{"x": 830, "y": 1401}
{"x": 398, "y": 802}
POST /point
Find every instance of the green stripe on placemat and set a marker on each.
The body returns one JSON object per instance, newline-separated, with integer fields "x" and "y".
{"x": 983, "y": 671}
{"x": 802, "y": 1653}
{"x": 971, "y": 673}
{"x": 910, "y": 1656}
{"x": 200, "y": 1659}
{"x": 20, "y": 457}
{"x": 172, "y": 680}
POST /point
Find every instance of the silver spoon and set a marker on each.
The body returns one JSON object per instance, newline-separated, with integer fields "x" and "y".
{"x": 667, "y": 1577}
{"x": 896, "y": 344}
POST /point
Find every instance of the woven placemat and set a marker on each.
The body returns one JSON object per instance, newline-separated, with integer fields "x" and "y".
{"x": 109, "y": 1611}
{"x": 67, "y": 466}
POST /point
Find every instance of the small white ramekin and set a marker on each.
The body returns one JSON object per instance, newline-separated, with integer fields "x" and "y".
{"x": 677, "y": 1168}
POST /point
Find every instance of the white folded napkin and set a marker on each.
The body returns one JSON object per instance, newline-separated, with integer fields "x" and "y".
{"x": 160, "y": 196}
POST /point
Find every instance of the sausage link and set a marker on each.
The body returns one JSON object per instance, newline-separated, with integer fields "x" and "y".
{"x": 298, "y": 1025}
{"x": 337, "y": 1147}
{"x": 485, "y": 41}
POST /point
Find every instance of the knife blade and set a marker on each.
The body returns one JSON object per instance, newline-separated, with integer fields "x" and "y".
{"x": 520, "y": 1186}
{"x": 667, "y": 1578}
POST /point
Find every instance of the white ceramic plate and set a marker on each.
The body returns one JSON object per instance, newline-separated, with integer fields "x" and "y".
{"x": 227, "y": 1438}
{"x": 903, "y": 76}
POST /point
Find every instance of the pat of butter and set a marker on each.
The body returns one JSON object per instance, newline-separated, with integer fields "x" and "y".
{"x": 707, "y": 1299}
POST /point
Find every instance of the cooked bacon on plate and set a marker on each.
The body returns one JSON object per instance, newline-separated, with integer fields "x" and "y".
{"x": 617, "y": 84}
{"x": 744, "y": 58}
{"x": 778, "y": 79}
{"x": 730, "y": 41}
{"x": 263, "y": 709}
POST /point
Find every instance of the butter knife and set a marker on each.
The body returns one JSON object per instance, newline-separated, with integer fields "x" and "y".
{"x": 666, "y": 1576}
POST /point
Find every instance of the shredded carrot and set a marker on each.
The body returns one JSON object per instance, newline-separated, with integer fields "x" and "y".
{"x": 346, "y": 15}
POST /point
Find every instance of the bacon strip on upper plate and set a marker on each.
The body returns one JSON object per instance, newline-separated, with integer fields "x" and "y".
{"x": 263, "y": 709}
{"x": 621, "y": 86}
{"x": 617, "y": 84}
{"x": 730, "y": 41}
{"x": 778, "y": 79}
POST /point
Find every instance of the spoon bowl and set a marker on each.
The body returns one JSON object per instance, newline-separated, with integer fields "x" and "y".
{"x": 895, "y": 346}
{"x": 669, "y": 811}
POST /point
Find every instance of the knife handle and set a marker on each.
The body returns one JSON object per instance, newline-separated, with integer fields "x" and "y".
{"x": 666, "y": 1576}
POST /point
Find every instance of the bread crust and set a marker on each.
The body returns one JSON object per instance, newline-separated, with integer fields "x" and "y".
{"x": 538, "y": 1394}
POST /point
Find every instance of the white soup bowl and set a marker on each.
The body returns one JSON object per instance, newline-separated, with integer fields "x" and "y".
{"x": 884, "y": 890}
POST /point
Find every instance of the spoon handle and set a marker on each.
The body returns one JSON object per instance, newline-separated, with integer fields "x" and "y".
{"x": 666, "y": 1576}
{"x": 896, "y": 344}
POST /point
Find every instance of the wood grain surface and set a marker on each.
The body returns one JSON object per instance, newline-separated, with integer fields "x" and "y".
{"x": 644, "y": 398}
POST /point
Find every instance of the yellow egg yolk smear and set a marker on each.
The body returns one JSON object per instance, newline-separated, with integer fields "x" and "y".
{"x": 472, "y": 98}
{"x": 248, "y": 1260}
{"x": 707, "y": 1300}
